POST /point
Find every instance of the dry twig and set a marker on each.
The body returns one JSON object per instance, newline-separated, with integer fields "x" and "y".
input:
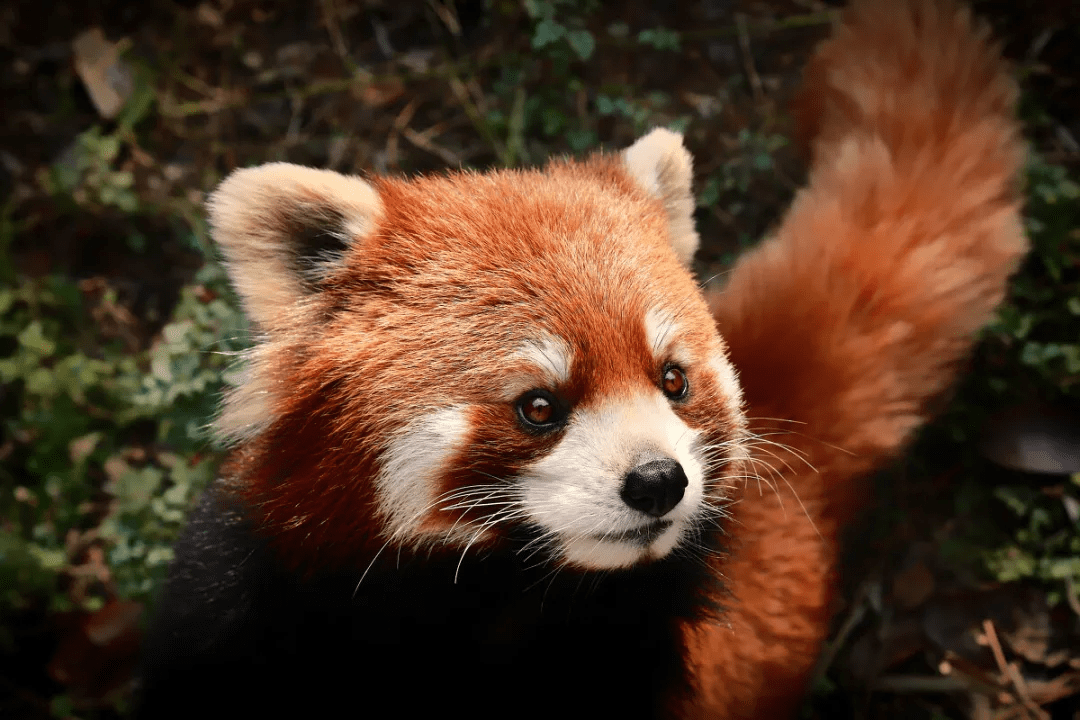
{"x": 1011, "y": 672}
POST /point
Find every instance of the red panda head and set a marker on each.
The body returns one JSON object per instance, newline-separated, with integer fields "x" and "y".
{"x": 440, "y": 362}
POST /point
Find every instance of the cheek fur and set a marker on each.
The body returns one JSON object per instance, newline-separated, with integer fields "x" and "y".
{"x": 479, "y": 481}
{"x": 408, "y": 481}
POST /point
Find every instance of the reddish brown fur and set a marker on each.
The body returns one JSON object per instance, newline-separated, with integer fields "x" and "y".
{"x": 446, "y": 260}
{"x": 843, "y": 326}
{"x": 855, "y": 314}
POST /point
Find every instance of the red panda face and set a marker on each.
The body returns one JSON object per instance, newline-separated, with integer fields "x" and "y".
{"x": 447, "y": 361}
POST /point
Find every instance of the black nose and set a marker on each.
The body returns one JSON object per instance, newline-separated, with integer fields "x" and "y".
{"x": 654, "y": 487}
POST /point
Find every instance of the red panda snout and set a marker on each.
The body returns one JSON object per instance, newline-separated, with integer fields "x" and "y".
{"x": 655, "y": 487}
{"x": 625, "y": 484}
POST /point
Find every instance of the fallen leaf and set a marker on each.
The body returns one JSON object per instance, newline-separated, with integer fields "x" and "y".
{"x": 107, "y": 79}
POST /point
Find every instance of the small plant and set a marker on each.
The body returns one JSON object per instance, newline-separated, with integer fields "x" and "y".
{"x": 559, "y": 39}
{"x": 643, "y": 113}
{"x": 88, "y": 174}
{"x": 102, "y": 448}
{"x": 1029, "y": 354}
{"x": 1046, "y": 543}
{"x": 560, "y": 25}
{"x": 1036, "y": 335}
{"x": 660, "y": 38}
{"x": 557, "y": 112}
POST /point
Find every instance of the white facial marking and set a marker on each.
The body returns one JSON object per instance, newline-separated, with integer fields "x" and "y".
{"x": 728, "y": 380}
{"x": 412, "y": 463}
{"x": 662, "y": 332}
{"x": 660, "y": 329}
{"x": 573, "y": 493}
{"x": 552, "y": 358}
{"x": 551, "y": 354}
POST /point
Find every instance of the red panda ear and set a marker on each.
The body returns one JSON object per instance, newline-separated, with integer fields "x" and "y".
{"x": 283, "y": 227}
{"x": 660, "y": 163}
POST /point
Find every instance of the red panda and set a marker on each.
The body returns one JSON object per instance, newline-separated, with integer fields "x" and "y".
{"x": 497, "y": 455}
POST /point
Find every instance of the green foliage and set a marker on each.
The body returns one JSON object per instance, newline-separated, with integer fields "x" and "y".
{"x": 142, "y": 100}
{"x": 1046, "y": 542}
{"x": 642, "y": 112}
{"x": 178, "y": 392}
{"x": 100, "y": 447}
{"x": 559, "y": 40}
{"x": 661, "y": 39}
{"x": 560, "y": 25}
{"x": 87, "y": 174}
{"x": 753, "y": 156}
{"x": 1031, "y": 353}
{"x": 728, "y": 191}
{"x": 105, "y": 448}
{"x": 1042, "y": 319}
{"x": 555, "y": 114}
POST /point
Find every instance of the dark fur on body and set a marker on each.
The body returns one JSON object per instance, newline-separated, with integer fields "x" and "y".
{"x": 496, "y": 640}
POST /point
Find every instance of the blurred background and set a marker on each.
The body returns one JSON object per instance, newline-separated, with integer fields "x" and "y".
{"x": 117, "y": 326}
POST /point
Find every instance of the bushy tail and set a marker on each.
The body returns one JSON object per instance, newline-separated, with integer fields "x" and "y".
{"x": 854, "y": 315}
{"x": 899, "y": 248}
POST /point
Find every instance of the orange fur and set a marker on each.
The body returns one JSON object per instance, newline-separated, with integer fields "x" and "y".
{"x": 446, "y": 259}
{"x": 854, "y": 315}
{"x": 842, "y": 326}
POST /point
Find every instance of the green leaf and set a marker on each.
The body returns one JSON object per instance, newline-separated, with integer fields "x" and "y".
{"x": 539, "y": 8}
{"x": 1061, "y": 568}
{"x": 33, "y": 338}
{"x": 547, "y": 31}
{"x": 680, "y": 124}
{"x": 107, "y": 148}
{"x": 161, "y": 555}
{"x": 710, "y": 194}
{"x": 582, "y": 43}
{"x": 49, "y": 559}
{"x": 553, "y": 120}
{"x": 580, "y": 139}
{"x": 135, "y": 488}
{"x": 7, "y": 299}
{"x": 1019, "y": 499}
{"x": 1071, "y": 355}
{"x": 660, "y": 38}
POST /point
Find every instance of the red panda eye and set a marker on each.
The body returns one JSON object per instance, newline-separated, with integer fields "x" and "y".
{"x": 538, "y": 409}
{"x": 675, "y": 384}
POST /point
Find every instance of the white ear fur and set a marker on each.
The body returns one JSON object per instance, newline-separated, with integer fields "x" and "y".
{"x": 281, "y": 227}
{"x": 660, "y": 163}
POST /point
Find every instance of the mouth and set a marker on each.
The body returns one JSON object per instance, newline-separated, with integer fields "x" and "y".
{"x": 643, "y": 536}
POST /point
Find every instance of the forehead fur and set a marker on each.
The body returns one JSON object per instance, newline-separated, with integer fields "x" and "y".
{"x": 581, "y": 212}
{"x": 462, "y": 271}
